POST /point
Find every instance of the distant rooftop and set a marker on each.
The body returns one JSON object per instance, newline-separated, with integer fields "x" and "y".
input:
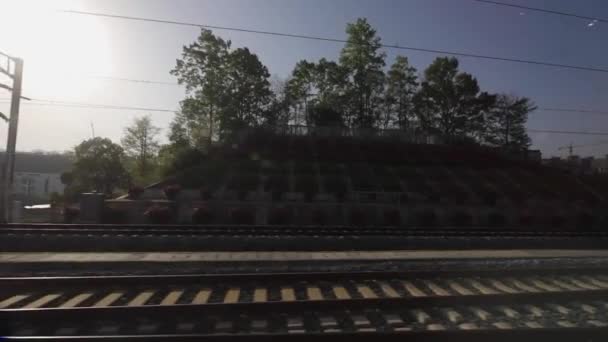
{"x": 38, "y": 162}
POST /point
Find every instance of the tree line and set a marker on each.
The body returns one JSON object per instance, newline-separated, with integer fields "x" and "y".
{"x": 103, "y": 166}
{"x": 230, "y": 88}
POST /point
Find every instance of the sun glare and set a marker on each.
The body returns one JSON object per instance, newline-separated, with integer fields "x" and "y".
{"x": 59, "y": 49}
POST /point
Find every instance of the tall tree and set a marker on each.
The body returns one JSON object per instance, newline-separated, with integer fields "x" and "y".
{"x": 450, "y": 102}
{"x": 300, "y": 88}
{"x": 203, "y": 70}
{"x": 226, "y": 89}
{"x": 506, "y": 122}
{"x": 190, "y": 128}
{"x": 140, "y": 142}
{"x": 249, "y": 93}
{"x": 362, "y": 58}
{"x": 99, "y": 166}
{"x": 277, "y": 113}
{"x": 317, "y": 89}
{"x": 401, "y": 86}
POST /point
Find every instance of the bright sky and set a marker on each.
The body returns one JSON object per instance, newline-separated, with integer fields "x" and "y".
{"x": 65, "y": 54}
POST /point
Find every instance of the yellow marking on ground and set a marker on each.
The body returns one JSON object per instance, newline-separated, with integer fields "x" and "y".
{"x": 565, "y": 285}
{"x": 201, "y": 297}
{"x": 288, "y": 294}
{"x": 435, "y": 327}
{"x": 340, "y": 292}
{"x": 597, "y": 282}
{"x": 232, "y": 295}
{"x": 588, "y": 308}
{"x": 468, "y": 326}
{"x": 260, "y": 295}
{"x": 388, "y": 290}
{"x": 12, "y": 300}
{"x": 453, "y": 315}
{"x": 366, "y": 329}
{"x": 482, "y": 288}
{"x": 566, "y": 324}
{"x": 510, "y": 312}
{"x": 40, "y": 302}
{"x": 534, "y": 325}
{"x": 109, "y": 299}
{"x": 459, "y": 288}
{"x": 438, "y": 290}
{"x": 524, "y": 286}
{"x": 76, "y": 300}
{"x": 482, "y": 314}
{"x": 172, "y": 297}
{"x": 503, "y": 325}
{"x": 366, "y": 291}
{"x": 402, "y": 329}
{"x": 421, "y": 316}
{"x": 561, "y": 309}
{"x": 314, "y": 293}
{"x": 141, "y": 298}
{"x": 502, "y": 286}
{"x": 585, "y": 285}
{"x": 413, "y": 290}
{"x": 535, "y": 310}
{"x": 541, "y": 284}
{"x": 598, "y": 323}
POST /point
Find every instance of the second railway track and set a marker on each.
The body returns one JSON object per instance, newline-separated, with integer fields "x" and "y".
{"x": 183, "y": 307}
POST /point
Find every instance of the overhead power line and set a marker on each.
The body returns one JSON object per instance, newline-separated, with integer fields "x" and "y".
{"x": 572, "y": 110}
{"x": 550, "y": 131}
{"x": 536, "y": 9}
{"x": 41, "y": 102}
{"x": 336, "y": 40}
{"x": 570, "y": 147}
{"x": 109, "y": 78}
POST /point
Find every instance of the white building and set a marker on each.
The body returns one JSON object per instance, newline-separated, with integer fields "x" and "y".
{"x": 38, "y": 175}
{"x": 37, "y": 185}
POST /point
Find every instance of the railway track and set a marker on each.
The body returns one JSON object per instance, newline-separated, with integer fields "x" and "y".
{"x": 329, "y": 231}
{"x": 526, "y": 304}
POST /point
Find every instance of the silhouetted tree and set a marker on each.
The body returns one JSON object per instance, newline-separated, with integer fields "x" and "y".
{"x": 450, "y": 102}
{"x": 226, "y": 89}
{"x": 506, "y": 122}
{"x": 140, "y": 142}
{"x": 203, "y": 70}
{"x": 401, "y": 86}
{"x": 99, "y": 166}
{"x": 364, "y": 62}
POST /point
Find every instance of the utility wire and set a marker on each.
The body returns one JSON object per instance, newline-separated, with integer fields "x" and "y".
{"x": 572, "y": 110}
{"x": 565, "y": 110}
{"x": 336, "y": 40}
{"x": 109, "y": 78}
{"x": 99, "y": 106}
{"x": 599, "y": 143}
{"x": 536, "y": 9}
{"x": 57, "y": 102}
{"x": 550, "y": 131}
{"x": 41, "y": 102}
